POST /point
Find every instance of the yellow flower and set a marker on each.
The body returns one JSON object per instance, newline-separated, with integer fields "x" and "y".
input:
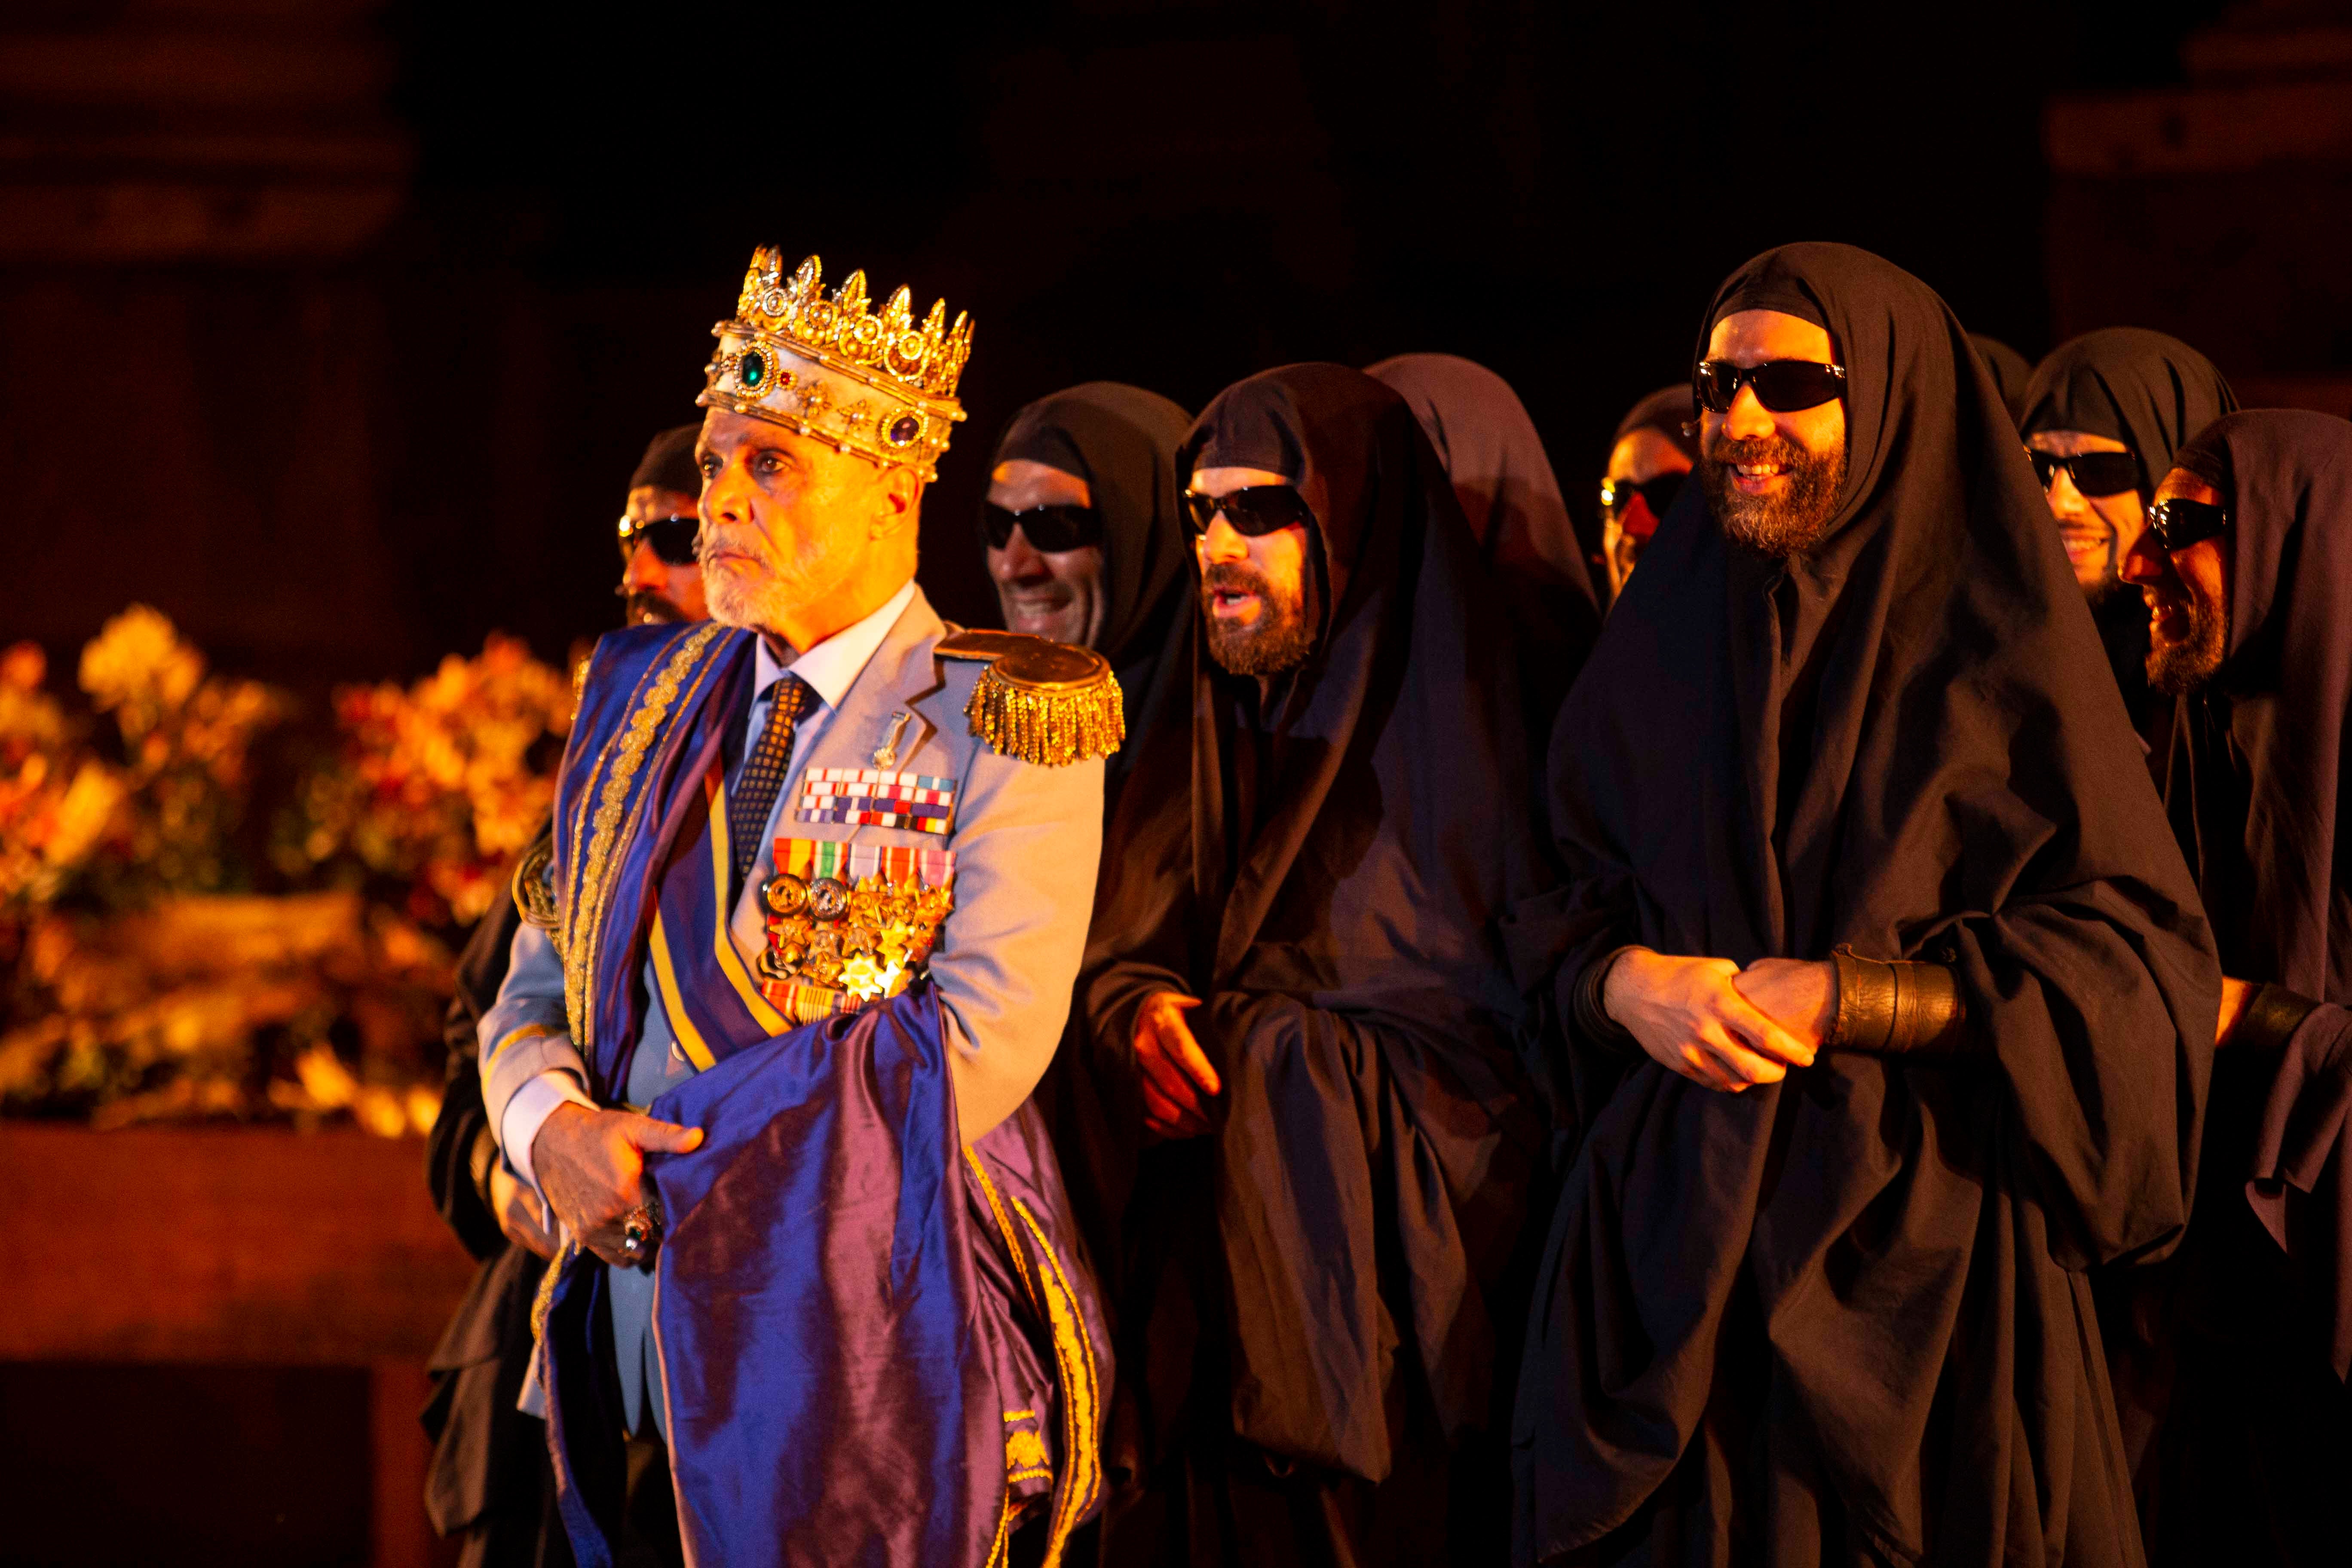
{"x": 83, "y": 816}
{"x": 138, "y": 664}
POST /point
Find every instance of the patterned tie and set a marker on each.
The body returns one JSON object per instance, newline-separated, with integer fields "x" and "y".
{"x": 763, "y": 774}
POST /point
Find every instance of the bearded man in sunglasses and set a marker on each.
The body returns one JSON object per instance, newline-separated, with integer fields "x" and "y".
{"x": 2229, "y": 1360}
{"x": 2104, "y": 415}
{"x": 661, "y": 581}
{"x": 1300, "y": 1014}
{"x": 1887, "y": 1000}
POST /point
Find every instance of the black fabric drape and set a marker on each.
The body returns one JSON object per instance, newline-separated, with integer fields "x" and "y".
{"x": 1845, "y": 1318}
{"x": 2011, "y": 371}
{"x": 1122, "y": 441}
{"x": 2152, "y": 393}
{"x": 1315, "y": 1292}
{"x": 2229, "y": 1361}
{"x": 489, "y": 1479}
{"x": 1511, "y": 500}
{"x": 2257, "y": 780}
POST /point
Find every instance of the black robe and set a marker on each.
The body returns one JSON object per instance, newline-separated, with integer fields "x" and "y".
{"x": 2231, "y": 1364}
{"x": 2011, "y": 371}
{"x": 1315, "y": 1296}
{"x": 1510, "y": 498}
{"x": 2152, "y": 393}
{"x": 1122, "y": 441}
{"x": 1846, "y": 1318}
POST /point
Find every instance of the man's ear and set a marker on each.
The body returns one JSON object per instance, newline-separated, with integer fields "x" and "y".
{"x": 897, "y": 500}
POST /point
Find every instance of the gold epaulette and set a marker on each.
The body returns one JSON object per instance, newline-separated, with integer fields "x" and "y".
{"x": 1044, "y": 703}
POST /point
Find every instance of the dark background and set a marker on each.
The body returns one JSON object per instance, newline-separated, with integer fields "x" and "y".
{"x": 378, "y": 391}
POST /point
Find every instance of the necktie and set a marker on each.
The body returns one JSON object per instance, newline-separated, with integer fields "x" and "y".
{"x": 763, "y": 774}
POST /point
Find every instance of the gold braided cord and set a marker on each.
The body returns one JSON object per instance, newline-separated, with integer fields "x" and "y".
{"x": 603, "y": 866}
{"x": 1074, "y": 1354}
{"x": 543, "y": 1301}
{"x": 1049, "y": 728}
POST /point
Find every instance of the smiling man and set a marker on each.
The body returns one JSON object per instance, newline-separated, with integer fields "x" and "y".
{"x": 2104, "y": 415}
{"x": 819, "y": 888}
{"x": 2230, "y": 1361}
{"x": 1888, "y": 1003}
{"x": 1300, "y": 1016}
{"x": 1085, "y": 539}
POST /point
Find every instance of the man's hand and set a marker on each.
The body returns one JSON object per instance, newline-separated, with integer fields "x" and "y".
{"x": 1174, "y": 1073}
{"x": 1689, "y": 1014}
{"x": 2235, "y": 995}
{"x": 590, "y": 1164}
{"x": 1799, "y": 994}
{"x": 519, "y": 1213}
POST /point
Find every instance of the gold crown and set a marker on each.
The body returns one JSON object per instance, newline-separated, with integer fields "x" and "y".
{"x": 831, "y": 369}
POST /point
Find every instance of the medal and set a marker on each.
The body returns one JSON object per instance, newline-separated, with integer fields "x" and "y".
{"x": 849, "y": 925}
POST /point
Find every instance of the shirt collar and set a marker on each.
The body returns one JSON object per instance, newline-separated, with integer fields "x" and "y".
{"x": 832, "y": 666}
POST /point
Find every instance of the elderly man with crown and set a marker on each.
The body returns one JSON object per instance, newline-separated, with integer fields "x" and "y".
{"x": 804, "y": 943}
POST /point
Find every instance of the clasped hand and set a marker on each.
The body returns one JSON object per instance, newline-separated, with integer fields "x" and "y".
{"x": 1718, "y": 1024}
{"x": 592, "y": 1164}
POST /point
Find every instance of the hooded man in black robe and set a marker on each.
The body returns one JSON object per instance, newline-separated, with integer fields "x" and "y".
{"x": 2230, "y": 1358}
{"x": 2104, "y": 415}
{"x": 1890, "y": 1005}
{"x": 1295, "y": 993}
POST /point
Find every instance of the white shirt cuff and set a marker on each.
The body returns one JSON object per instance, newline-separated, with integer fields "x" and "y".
{"x": 532, "y": 1105}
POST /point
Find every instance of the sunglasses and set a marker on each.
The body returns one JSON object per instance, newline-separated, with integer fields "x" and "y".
{"x": 1052, "y": 529}
{"x": 1658, "y": 494}
{"x": 1783, "y": 386}
{"x": 671, "y": 538}
{"x": 2094, "y": 473}
{"x": 2182, "y": 522}
{"x": 1260, "y": 510}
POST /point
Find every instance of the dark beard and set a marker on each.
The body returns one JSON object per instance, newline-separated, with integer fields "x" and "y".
{"x": 1789, "y": 524}
{"x": 646, "y": 607}
{"x": 2179, "y": 668}
{"x": 1282, "y": 638}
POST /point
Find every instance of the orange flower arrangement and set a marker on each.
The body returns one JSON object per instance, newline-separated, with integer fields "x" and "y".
{"x": 149, "y": 985}
{"x": 443, "y": 783}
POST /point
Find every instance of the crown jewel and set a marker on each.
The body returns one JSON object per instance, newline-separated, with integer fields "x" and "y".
{"x": 926, "y": 359}
{"x": 831, "y": 369}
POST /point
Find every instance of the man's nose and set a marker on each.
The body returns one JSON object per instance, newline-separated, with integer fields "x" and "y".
{"x": 645, "y": 570}
{"x": 1018, "y": 562}
{"x": 1224, "y": 541}
{"x": 2145, "y": 562}
{"x": 1748, "y": 417}
{"x": 725, "y": 497}
{"x": 2065, "y": 500}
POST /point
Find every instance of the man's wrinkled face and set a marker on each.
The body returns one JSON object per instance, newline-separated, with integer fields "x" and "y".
{"x": 1644, "y": 455}
{"x": 2097, "y": 530}
{"x": 656, "y": 590}
{"x": 2187, "y": 594}
{"x": 784, "y": 519}
{"x": 1056, "y": 594}
{"x": 1257, "y": 599}
{"x": 1773, "y": 480}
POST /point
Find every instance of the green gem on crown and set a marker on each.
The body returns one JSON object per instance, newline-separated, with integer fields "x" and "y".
{"x": 752, "y": 370}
